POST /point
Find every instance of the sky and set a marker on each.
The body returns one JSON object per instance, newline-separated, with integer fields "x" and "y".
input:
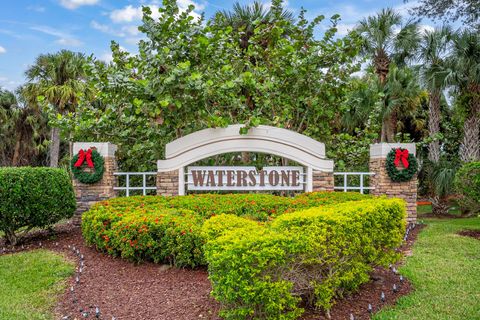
{"x": 30, "y": 28}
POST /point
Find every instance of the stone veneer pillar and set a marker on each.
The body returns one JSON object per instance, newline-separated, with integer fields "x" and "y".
{"x": 167, "y": 183}
{"x": 322, "y": 181}
{"x": 382, "y": 183}
{"x": 87, "y": 194}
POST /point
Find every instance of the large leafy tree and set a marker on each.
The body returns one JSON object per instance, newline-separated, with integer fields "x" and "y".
{"x": 386, "y": 41}
{"x": 190, "y": 74}
{"x": 463, "y": 74}
{"x": 59, "y": 80}
{"x": 466, "y": 10}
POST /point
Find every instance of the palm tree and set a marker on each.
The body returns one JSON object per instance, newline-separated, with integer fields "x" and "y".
{"x": 432, "y": 53}
{"x": 400, "y": 94}
{"x": 22, "y": 131}
{"x": 385, "y": 41}
{"x": 246, "y": 18}
{"x": 464, "y": 75}
{"x": 60, "y": 79}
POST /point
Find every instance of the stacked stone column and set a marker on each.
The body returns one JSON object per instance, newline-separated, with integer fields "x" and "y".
{"x": 322, "y": 181}
{"x": 87, "y": 194}
{"x": 167, "y": 183}
{"x": 382, "y": 183}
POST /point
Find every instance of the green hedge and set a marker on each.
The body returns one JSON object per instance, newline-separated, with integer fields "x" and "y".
{"x": 467, "y": 184}
{"x": 263, "y": 271}
{"x": 33, "y": 197}
{"x": 111, "y": 225}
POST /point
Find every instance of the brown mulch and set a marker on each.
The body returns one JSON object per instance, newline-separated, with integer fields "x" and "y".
{"x": 470, "y": 233}
{"x": 124, "y": 290}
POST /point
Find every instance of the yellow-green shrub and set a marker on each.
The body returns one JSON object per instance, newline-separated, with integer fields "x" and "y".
{"x": 112, "y": 224}
{"x": 315, "y": 254}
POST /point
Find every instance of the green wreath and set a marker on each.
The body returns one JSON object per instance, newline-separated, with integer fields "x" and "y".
{"x": 403, "y": 175}
{"x": 86, "y": 177}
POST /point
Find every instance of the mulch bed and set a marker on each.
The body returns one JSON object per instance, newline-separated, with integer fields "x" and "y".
{"x": 124, "y": 290}
{"x": 470, "y": 233}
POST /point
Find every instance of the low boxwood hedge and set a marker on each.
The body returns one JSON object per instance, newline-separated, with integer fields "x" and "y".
{"x": 314, "y": 255}
{"x": 33, "y": 198}
{"x": 117, "y": 226}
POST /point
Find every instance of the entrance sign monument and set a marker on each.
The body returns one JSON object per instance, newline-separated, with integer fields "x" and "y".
{"x": 177, "y": 173}
{"x": 305, "y": 151}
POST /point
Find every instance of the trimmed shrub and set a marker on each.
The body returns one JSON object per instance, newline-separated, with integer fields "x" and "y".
{"x": 467, "y": 184}
{"x": 113, "y": 225}
{"x": 170, "y": 235}
{"x": 315, "y": 255}
{"x": 33, "y": 198}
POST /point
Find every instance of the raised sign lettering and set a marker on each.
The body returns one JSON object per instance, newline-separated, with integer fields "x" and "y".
{"x": 245, "y": 178}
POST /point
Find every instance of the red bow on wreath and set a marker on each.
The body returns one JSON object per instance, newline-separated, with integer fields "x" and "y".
{"x": 82, "y": 156}
{"x": 401, "y": 155}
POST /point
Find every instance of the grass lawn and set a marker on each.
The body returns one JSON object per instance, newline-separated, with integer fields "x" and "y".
{"x": 445, "y": 272}
{"x": 30, "y": 283}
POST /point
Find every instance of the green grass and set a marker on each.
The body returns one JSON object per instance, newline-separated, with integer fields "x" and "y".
{"x": 30, "y": 283}
{"x": 445, "y": 272}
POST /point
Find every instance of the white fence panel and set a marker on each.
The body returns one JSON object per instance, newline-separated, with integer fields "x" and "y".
{"x": 129, "y": 188}
{"x": 362, "y": 188}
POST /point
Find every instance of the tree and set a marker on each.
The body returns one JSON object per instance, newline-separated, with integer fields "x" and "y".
{"x": 371, "y": 101}
{"x": 463, "y": 73}
{"x": 246, "y": 18}
{"x": 22, "y": 130}
{"x": 432, "y": 52}
{"x": 466, "y": 10}
{"x": 190, "y": 75}
{"x": 59, "y": 80}
{"x": 385, "y": 41}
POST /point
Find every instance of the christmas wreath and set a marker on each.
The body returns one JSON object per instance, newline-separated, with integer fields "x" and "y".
{"x": 94, "y": 160}
{"x": 401, "y": 156}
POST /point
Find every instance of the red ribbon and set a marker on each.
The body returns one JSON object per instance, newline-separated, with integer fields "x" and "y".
{"x": 401, "y": 155}
{"x": 82, "y": 156}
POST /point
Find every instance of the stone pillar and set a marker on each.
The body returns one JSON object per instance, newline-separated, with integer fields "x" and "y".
{"x": 322, "y": 181}
{"x": 382, "y": 183}
{"x": 87, "y": 194}
{"x": 167, "y": 183}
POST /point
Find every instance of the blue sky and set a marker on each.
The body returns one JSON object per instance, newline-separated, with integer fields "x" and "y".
{"x": 29, "y": 28}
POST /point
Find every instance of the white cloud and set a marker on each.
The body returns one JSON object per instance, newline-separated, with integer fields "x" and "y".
{"x": 131, "y": 13}
{"x": 69, "y": 42}
{"x": 131, "y": 30}
{"x": 127, "y": 14}
{"x": 74, "y": 4}
{"x": 2, "y": 49}
{"x": 107, "y": 56}
{"x": 36, "y": 8}
{"x": 64, "y": 39}
{"x": 344, "y": 28}
{"x": 405, "y": 7}
{"x": 106, "y": 29}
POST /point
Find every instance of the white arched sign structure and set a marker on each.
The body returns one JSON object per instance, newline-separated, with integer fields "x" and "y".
{"x": 263, "y": 139}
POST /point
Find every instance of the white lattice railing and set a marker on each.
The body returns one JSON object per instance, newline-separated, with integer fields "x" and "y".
{"x": 144, "y": 187}
{"x": 345, "y": 187}
{"x": 127, "y": 188}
